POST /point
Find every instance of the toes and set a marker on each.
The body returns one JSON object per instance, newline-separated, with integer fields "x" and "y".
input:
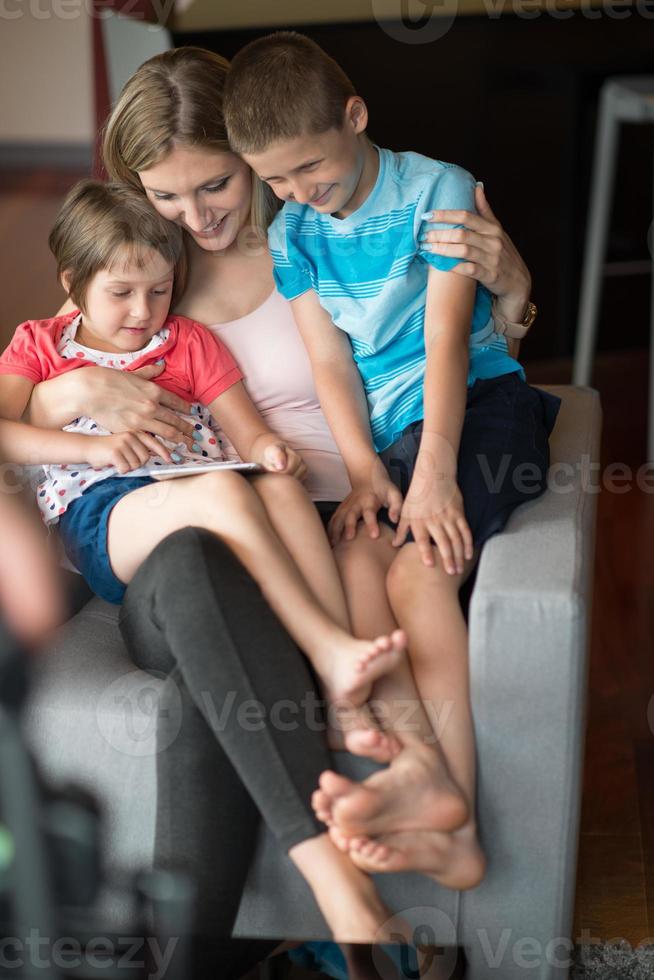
{"x": 335, "y": 785}
{"x": 338, "y": 839}
{"x": 399, "y": 640}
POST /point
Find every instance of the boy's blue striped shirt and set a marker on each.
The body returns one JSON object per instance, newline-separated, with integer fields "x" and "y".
{"x": 370, "y": 273}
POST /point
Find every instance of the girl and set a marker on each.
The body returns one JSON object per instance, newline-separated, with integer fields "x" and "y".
{"x": 117, "y": 259}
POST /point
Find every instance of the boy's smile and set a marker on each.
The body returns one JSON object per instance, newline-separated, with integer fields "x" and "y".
{"x": 331, "y": 172}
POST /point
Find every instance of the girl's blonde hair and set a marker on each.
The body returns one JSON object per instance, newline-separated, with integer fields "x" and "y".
{"x": 174, "y": 98}
{"x": 101, "y": 224}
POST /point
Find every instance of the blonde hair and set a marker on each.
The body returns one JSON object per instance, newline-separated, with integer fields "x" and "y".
{"x": 175, "y": 98}
{"x": 282, "y": 86}
{"x": 98, "y": 223}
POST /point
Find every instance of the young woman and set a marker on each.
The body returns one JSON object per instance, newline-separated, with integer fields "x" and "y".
{"x": 166, "y": 137}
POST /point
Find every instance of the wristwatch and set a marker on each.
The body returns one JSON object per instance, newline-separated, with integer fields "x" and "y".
{"x": 516, "y": 331}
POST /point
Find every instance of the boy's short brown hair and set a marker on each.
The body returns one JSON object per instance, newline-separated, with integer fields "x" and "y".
{"x": 97, "y": 221}
{"x": 281, "y": 86}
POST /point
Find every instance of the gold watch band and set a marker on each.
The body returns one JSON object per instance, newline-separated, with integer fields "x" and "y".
{"x": 516, "y": 331}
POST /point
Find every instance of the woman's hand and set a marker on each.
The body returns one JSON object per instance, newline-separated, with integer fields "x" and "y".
{"x": 490, "y": 256}
{"x": 276, "y": 457}
{"x": 433, "y": 511}
{"x": 124, "y": 401}
{"x": 124, "y": 450}
{"x": 363, "y": 502}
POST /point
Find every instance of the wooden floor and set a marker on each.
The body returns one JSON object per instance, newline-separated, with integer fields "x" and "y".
{"x": 615, "y": 883}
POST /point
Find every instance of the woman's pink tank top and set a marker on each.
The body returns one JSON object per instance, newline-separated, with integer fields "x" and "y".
{"x": 270, "y": 352}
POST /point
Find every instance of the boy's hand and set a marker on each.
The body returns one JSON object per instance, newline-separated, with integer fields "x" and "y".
{"x": 433, "y": 510}
{"x": 277, "y": 457}
{"x": 125, "y": 450}
{"x": 363, "y": 502}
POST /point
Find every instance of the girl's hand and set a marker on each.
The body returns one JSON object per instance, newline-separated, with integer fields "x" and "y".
{"x": 124, "y": 450}
{"x": 277, "y": 457}
{"x": 362, "y": 503}
{"x": 490, "y": 256}
{"x": 433, "y": 511}
{"x": 124, "y": 401}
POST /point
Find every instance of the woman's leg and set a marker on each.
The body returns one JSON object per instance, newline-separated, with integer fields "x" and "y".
{"x": 196, "y": 607}
{"x": 227, "y": 505}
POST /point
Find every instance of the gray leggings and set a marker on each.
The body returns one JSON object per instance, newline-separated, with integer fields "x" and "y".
{"x": 193, "y": 613}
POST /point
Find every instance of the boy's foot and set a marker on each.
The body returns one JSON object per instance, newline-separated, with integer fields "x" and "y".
{"x": 349, "y": 669}
{"x": 454, "y": 860}
{"x": 415, "y": 792}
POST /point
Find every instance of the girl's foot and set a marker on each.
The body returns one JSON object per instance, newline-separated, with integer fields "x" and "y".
{"x": 454, "y": 860}
{"x": 349, "y": 667}
{"x": 349, "y": 727}
{"x": 415, "y": 792}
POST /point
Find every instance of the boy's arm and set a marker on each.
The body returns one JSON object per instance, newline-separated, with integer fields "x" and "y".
{"x": 434, "y": 508}
{"x": 342, "y": 399}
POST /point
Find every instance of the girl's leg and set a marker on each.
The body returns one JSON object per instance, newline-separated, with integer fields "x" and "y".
{"x": 224, "y": 503}
{"x": 194, "y": 613}
{"x": 296, "y": 521}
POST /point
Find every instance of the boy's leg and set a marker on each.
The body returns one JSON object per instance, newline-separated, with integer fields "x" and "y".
{"x": 425, "y": 601}
{"x": 419, "y": 771}
{"x": 223, "y": 502}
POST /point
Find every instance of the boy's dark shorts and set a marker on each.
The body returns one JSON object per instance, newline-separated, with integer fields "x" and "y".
{"x": 504, "y": 452}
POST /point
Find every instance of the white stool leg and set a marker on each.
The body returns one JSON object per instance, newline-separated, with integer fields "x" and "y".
{"x": 599, "y": 214}
{"x": 650, "y": 419}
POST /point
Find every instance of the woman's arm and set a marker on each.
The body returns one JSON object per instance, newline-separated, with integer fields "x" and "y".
{"x": 490, "y": 256}
{"x": 121, "y": 401}
{"x": 28, "y": 445}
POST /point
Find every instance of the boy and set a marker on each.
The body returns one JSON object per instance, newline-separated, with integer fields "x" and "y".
{"x": 418, "y": 388}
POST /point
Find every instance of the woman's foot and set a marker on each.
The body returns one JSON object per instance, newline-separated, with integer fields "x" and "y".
{"x": 349, "y": 667}
{"x": 416, "y": 792}
{"x": 454, "y": 860}
{"x": 346, "y": 896}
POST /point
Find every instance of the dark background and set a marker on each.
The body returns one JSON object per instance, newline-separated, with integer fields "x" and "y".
{"x": 515, "y": 101}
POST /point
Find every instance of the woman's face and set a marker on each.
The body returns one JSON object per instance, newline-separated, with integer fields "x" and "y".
{"x": 205, "y": 191}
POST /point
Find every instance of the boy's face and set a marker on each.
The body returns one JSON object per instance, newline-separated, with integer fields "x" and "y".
{"x": 323, "y": 170}
{"x": 127, "y": 304}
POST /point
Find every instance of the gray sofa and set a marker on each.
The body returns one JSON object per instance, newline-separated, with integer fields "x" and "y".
{"x": 92, "y": 718}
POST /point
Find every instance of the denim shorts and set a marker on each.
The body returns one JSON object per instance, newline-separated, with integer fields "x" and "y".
{"x": 503, "y": 454}
{"x": 83, "y": 532}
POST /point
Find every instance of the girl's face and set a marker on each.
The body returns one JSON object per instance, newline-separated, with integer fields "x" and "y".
{"x": 206, "y": 192}
{"x": 127, "y": 304}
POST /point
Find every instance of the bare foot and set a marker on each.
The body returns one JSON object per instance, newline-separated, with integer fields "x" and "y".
{"x": 349, "y": 668}
{"x": 352, "y": 727}
{"x": 346, "y": 896}
{"x": 454, "y": 860}
{"x": 416, "y": 792}
{"x": 372, "y": 743}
